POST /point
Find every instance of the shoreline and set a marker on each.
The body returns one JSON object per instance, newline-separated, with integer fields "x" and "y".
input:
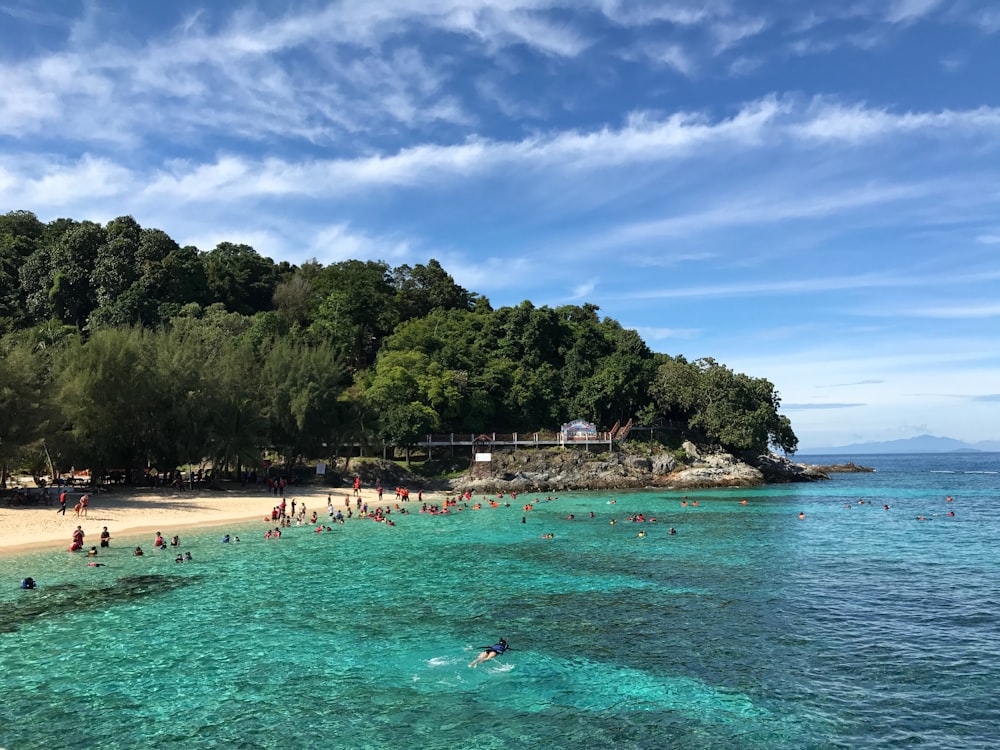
{"x": 15, "y": 550}
{"x": 133, "y": 513}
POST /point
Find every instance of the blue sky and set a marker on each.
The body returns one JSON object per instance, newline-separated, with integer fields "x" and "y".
{"x": 805, "y": 191}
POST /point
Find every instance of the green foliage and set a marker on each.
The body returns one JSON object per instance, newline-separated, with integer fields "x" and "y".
{"x": 240, "y": 278}
{"x": 423, "y": 289}
{"x": 356, "y": 309}
{"x": 125, "y": 350}
{"x": 25, "y": 407}
{"x": 735, "y": 410}
{"x": 20, "y": 234}
{"x": 403, "y": 425}
{"x": 112, "y": 398}
{"x": 301, "y": 386}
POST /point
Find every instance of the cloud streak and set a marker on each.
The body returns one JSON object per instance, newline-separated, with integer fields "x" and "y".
{"x": 759, "y": 126}
{"x": 712, "y": 173}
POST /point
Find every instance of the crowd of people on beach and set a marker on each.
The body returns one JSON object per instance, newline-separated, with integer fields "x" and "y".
{"x": 293, "y": 513}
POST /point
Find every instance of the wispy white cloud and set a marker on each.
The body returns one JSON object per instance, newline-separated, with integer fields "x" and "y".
{"x": 646, "y": 12}
{"x": 654, "y": 334}
{"x": 848, "y": 385}
{"x": 345, "y": 69}
{"x": 745, "y": 65}
{"x": 340, "y": 242}
{"x": 34, "y": 14}
{"x": 669, "y": 259}
{"x": 903, "y": 370}
{"x": 240, "y": 78}
{"x": 506, "y": 274}
{"x": 268, "y": 243}
{"x": 988, "y": 20}
{"x": 830, "y": 121}
{"x": 763, "y": 210}
{"x": 763, "y": 127}
{"x": 33, "y": 181}
{"x": 814, "y": 406}
{"x": 673, "y": 56}
{"x": 730, "y": 33}
{"x": 967, "y": 311}
{"x": 831, "y": 283}
{"x": 953, "y": 63}
{"x": 907, "y": 11}
{"x": 584, "y": 290}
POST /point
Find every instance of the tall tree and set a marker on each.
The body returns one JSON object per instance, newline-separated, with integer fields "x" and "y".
{"x": 240, "y": 278}
{"x": 25, "y": 406}
{"x": 357, "y": 309}
{"x": 424, "y": 288}
{"x": 737, "y": 411}
{"x": 301, "y": 385}
{"x": 111, "y": 397}
{"x": 20, "y": 235}
{"x": 116, "y": 264}
{"x": 71, "y": 295}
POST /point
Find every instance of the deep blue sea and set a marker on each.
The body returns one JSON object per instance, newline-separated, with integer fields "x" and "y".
{"x": 855, "y": 627}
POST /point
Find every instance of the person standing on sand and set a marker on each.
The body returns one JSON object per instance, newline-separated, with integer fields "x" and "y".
{"x": 84, "y": 504}
{"x": 62, "y": 502}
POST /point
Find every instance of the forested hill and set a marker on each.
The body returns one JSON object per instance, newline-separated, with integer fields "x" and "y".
{"x": 121, "y": 348}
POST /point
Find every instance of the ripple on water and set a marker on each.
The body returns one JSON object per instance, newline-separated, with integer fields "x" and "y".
{"x": 748, "y": 629}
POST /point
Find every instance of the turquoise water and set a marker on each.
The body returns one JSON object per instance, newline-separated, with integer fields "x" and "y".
{"x": 855, "y": 627}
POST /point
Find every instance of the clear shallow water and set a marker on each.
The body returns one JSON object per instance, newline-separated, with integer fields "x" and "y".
{"x": 856, "y": 627}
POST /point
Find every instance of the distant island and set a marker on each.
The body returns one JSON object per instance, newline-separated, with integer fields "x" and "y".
{"x": 918, "y": 444}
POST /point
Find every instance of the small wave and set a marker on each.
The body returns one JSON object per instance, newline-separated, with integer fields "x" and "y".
{"x": 942, "y": 471}
{"x": 983, "y": 471}
{"x": 440, "y": 661}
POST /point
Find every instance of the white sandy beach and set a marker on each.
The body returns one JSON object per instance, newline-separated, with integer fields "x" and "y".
{"x": 129, "y": 511}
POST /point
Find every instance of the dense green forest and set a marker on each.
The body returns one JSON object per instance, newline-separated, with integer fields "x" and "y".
{"x": 120, "y": 348}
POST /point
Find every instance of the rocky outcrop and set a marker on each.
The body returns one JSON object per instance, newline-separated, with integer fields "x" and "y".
{"x": 849, "y": 468}
{"x": 566, "y": 469}
{"x": 716, "y": 470}
{"x": 778, "y": 469}
{"x": 572, "y": 469}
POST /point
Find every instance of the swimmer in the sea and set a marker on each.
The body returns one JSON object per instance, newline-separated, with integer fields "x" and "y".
{"x": 490, "y": 652}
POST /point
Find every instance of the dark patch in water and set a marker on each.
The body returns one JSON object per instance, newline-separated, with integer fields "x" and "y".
{"x": 60, "y": 599}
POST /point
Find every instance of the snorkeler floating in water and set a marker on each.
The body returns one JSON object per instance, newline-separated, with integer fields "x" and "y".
{"x": 489, "y": 652}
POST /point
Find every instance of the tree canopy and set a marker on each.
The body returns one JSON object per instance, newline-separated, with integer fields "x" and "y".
{"x": 120, "y": 348}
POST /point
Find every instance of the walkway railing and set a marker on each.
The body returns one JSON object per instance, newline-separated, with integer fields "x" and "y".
{"x": 515, "y": 439}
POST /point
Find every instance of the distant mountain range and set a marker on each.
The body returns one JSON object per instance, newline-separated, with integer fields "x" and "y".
{"x": 919, "y": 444}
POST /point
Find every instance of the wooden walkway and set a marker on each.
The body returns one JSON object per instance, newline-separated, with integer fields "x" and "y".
{"x": 515, "y": 440}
